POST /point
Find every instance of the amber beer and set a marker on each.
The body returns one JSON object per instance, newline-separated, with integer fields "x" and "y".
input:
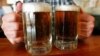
{"x": 66, "y": 20}
{"x": 37, "y": 25}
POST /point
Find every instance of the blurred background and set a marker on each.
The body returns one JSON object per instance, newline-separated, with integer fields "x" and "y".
{"x": 89, "y": 6}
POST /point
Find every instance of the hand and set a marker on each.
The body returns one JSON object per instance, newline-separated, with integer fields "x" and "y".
{"x": 86, "y": 25}
{"x": 13, "y": 28}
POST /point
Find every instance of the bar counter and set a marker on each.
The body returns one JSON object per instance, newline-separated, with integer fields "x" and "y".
{"x": 90, "y": 47}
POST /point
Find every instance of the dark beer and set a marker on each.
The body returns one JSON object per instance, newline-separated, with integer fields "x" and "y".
{"x": 37, "y": 27}
{"x": 42, "y": 23}
{"x": 66, "y": 22}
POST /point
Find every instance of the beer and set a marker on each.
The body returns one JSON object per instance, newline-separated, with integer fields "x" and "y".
{"x": 37, "y": 22}
{"x": 66, "y": 20}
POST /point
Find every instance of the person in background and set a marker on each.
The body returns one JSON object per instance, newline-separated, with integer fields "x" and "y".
{"x": 12, "y": 25}
{"x": 19, "y": 6}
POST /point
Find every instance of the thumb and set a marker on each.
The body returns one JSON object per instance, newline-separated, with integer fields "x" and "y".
{"x": 81, "y": 11}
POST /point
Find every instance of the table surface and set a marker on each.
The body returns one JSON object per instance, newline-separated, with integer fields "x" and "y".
{"x": 90, "y": 47}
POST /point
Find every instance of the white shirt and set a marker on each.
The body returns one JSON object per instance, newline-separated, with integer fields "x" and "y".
{"x": 89, "y": 6}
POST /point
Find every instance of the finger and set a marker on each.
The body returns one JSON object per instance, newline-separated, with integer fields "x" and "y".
{"x": 85, "y": 32}
{"x": 15, "y": 41}
{"x": 10, "y": 38}
{"x": 82, "y": 25}
{"x": 13, "y": 34}
{"x": 86, "y": 18}
{"x": 12, "y": 26}
{"x": 81, "y": 11}
{"x": 19, "y": 40}
{"x": 12, "y": 17}
{"x": 86, "y": 25}
{"x": 82, "y": 37}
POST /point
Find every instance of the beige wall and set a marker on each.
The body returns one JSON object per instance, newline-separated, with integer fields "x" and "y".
{"x": 2, "y": 2}
{"x": 98, "y": 3}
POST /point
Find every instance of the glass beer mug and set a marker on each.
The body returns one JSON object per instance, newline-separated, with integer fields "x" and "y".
{"x": 37, "y": 27}
{"x": 66, "y": 24}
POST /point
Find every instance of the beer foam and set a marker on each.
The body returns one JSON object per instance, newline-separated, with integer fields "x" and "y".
{"x": 36, "y": 7}
{"x": 67, "y": 8}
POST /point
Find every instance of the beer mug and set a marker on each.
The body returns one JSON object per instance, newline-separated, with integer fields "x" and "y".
{"x": 37, "y": 27}
{"x": 66, "y": 24}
